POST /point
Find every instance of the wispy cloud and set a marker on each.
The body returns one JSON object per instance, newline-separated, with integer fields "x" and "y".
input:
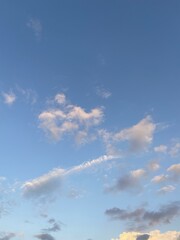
{"x": 9, "y": 97}
{"x": 43, "y": 186}
{"x": 28, "y": 94}
{"x": 161, "y": 149}
{"x": 50, "y": 183}
{"x": 175, "y": 150}
{"x": 36, "y": 26}
{"x": 160, "y": 178}
{"x": 91, "y": 163}
{"x": 7, "y": 202}
{"x": 166, "y": 189}
{"x": 103, "y": 93}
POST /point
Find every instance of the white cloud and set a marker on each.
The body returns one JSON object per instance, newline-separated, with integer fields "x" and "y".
{"x": 174, "y": 170}
{"x": 9, "y": 98}
{"x": 166, "y": 189}
{"x": 138, "y": 173}
{"x": 36, "y": 27}
{"x": 69, "y": 119}
{"x": 153, "y": 235}
{"x": 48, "y": 184}
{"x": 40, "y": 187}
{"x": 139, "y": 135}
{"x": 153, "y": 166}
{"x": 91, "y": 163}
{"x": 161, "y": 149}
{"x": 103, "y": 93}
{"x": 60, "y": 98}
{"x": 173, "y": 175}
{"x": 160, "y": 178}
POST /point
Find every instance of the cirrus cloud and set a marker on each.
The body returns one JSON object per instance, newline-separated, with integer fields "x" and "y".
{"x": 49, "y": 184}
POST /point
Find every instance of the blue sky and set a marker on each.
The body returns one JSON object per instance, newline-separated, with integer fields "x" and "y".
{"x": 89, "y": 107}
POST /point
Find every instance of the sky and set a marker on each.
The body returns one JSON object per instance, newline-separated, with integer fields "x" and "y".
{"x": 89, "y": 119}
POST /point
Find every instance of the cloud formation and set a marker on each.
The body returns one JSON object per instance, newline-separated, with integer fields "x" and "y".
{"x": 55, "y": 226}
{"x": 160, "y": 149}
{"x": 9, "y": 98}
{"x": 103, "y": 93}
{"x": 7, "y": 236}
{"x": 66, "y": 118}
{"x": 166, "y": 189}
{"x": 172, "y": 176}
{"x": 160, "y": 178}
{"x": 50, "y": 183}
{"x": 141, "y": 218}
{"x": 138, "y": 137}
{"x": 60, "y": 98}
{"x": 174, "y": 171}
{"x": 173, "y": 150}
{"x": 153, "y": 166}
{"x": 42, "y": 186}
{"x": 44, "y": 236}
{"x": 153, "y": 235}
{"x": 128, "y": 182}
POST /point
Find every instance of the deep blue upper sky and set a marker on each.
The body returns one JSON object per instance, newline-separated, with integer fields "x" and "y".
{"x": 80, "y": 80}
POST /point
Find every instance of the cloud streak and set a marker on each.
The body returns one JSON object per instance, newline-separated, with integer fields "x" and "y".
{"x": 50, "y": 183}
